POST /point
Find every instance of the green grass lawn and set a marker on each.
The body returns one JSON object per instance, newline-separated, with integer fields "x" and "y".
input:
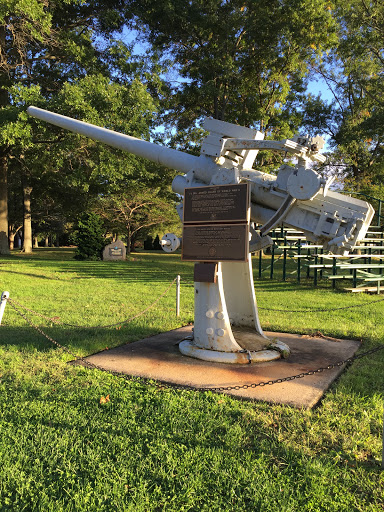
{"x": 155, "y": 449}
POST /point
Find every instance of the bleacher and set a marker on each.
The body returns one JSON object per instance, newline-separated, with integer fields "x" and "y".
{"x": 292, "y": 256}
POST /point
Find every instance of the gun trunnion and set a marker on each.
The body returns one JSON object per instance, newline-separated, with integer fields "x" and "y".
{"x": 297, "y": 196}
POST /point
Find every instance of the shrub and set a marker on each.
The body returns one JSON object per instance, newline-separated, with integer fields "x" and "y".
{"x": 148, "y": 244}
{"x": 89, "y": 237}
{"x": 156, "y": 244}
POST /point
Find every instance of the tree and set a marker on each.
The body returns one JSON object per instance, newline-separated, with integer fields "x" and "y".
{"x": 20, "y": 27}
{"x": 239, "y": 61}
{"x": 89, "y": 236}
{"x": 135, "y": 211}
{"x": 42, "y": 46}
{"x": 75, "y": 168}
{"x": 360, "y": 50}
{"x": 353, "y": 72}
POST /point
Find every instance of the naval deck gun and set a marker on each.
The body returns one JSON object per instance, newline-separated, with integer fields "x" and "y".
{"x": 227, "y": 327}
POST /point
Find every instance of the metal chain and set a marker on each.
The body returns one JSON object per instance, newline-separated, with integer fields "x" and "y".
{"x": 57, "y": 322}
{"x": 300, "y": 375}
{"x": 11, "y": 303}
{"x": 186, "y": 387}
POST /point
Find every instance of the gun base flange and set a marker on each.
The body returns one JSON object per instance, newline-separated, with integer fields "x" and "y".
{"x": 188, "y": 348}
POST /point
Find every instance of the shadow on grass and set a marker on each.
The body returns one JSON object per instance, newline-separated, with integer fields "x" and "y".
{"x": 81, "y": 342}
{"x": 190, "y": 419}
{"x": 24, "y": 274}
{"x": 140, "y": 267}
{"x": 43, "y": 253}
{"x": 277, "y": 284}
{"x": 62, "y": 260}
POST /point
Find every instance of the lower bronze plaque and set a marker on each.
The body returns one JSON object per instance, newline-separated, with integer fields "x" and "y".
{"x": 216, "y": 242}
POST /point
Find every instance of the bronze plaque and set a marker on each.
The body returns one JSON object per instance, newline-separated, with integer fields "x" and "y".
{"x": 215, "y": 242}
{"x": 116, "y": 251}
{"x": 218, "y": 203}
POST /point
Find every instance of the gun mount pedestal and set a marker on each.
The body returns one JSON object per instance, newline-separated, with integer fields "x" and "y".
{"x": 227, "y": 327}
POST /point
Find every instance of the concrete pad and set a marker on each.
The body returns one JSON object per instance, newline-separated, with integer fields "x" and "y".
{"x": 158, "y": 358}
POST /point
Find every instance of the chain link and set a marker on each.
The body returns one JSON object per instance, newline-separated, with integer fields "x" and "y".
{"x": 186, "y": 387}
{"x": 56, "y": 321}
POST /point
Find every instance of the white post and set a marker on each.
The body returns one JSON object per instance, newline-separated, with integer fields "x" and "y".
{"x": 178, "y": 296}
{"x": 382, "y": 453}
{"x": 3, "y": 302}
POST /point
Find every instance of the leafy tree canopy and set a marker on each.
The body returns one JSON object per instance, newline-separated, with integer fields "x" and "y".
{"x": 239, "y": 61}
{"x": 71, "y": 64}
{"x": 354, "y": 72}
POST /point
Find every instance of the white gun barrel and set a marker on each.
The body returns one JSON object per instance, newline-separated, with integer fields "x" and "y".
{"x": 296, "y": 197}
{"x": 161, "y": 155}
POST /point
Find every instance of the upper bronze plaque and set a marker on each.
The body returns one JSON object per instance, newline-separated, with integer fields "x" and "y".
{"x": 218, "y": 203}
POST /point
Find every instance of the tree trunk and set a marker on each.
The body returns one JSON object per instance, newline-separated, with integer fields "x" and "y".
{"x": 11, "y": 240}
{"x": 132, "y": 242}
{"x": 27, "y": 247}
{"x": 46, "y": 241}
{"x": 128, "y": 240}
{"x": 13, "y": 236}
{"x": 35, "y": 242}
{"x": 4, "y": 101}
{"x": 4, "y": 247}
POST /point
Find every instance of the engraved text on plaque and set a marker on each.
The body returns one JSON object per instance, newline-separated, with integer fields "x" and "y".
{"x": 219, "y": 203}
{"x": 215, "y": 242}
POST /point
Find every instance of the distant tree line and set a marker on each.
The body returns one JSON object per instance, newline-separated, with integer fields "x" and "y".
{"x": 245, "y": 62}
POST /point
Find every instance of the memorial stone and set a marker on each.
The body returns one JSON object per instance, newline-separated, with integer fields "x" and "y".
{"x": 114, "y": 251}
